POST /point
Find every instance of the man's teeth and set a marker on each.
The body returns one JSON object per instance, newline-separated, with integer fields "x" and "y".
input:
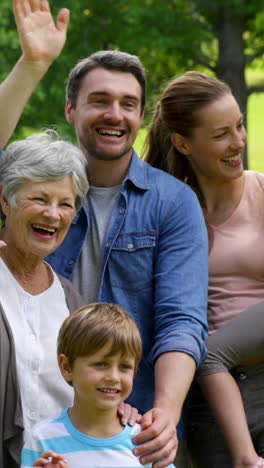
{"x": 110, "y": 132}
{"x": 232, "y": 158}
{"x": 37, "y": 226}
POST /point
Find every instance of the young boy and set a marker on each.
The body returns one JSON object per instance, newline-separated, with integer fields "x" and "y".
{"x": 99, "y": 349}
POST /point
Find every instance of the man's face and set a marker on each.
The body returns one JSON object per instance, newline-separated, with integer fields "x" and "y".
{"x": 107, "y": 115}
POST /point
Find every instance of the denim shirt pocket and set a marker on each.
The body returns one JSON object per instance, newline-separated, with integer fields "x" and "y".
{"x": 131, "y": 260}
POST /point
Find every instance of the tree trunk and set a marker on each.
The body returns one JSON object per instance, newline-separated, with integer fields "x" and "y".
{"x": 231, "y": 64}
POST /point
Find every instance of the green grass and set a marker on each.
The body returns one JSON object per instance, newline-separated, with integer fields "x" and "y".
{"x": 255, "y": 132}
{"x": 139, "y": 143}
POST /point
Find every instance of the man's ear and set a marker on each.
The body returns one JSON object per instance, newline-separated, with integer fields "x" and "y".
{"x": 180, "y": 143}
{"x": 65, "y": 367}
{"x": 69, "y": 112}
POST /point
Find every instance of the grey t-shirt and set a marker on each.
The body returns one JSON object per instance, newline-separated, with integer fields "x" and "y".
{"x": 88, "y": 271}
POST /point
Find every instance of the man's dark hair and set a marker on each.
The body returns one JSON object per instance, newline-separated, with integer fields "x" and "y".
{"x": 108, "y": 60}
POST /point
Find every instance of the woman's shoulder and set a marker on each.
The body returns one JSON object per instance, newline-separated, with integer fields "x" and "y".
{"x": 254, "y": 194}
{"x": 255, "y": 177}
{"x": 72, "y": 296}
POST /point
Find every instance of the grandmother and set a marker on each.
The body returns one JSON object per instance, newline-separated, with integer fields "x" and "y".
{"x": 43, "y": 184}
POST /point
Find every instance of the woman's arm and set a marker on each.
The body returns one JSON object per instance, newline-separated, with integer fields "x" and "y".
{"x": 240, "y": 340}
{"x": 41, "y": 41}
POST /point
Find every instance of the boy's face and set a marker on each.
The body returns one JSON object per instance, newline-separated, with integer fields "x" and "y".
{"x": 100, "y": 380}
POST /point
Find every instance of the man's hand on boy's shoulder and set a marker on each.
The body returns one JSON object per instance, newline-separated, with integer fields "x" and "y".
{"x": 157, "y": 443}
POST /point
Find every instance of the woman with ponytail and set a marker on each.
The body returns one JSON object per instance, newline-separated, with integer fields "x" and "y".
{"x": 197, "y": 134}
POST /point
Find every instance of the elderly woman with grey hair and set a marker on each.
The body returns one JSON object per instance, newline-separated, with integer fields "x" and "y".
{"x": 43, "y": 183}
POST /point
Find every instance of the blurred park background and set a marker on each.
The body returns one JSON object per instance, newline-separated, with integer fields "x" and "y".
{"x": 224, "y": 38}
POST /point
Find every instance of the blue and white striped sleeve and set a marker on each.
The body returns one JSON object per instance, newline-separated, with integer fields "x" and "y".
{"x": 31, "y": 451}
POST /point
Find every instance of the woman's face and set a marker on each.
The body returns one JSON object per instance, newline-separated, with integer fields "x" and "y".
{"x": 215, "y": 148}
{"x": 42, "y": 216}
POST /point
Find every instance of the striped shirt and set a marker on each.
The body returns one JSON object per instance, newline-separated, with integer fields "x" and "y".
{"x": 81, "y": 450}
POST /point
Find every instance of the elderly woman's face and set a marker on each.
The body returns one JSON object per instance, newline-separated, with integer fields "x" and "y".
{"x": 42, "y": 216}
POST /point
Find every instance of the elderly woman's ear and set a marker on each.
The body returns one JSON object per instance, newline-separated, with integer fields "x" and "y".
{"x": 4, "y": 202}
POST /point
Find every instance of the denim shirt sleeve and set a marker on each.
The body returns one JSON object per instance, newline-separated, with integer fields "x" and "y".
{"x": 181, "y": 280}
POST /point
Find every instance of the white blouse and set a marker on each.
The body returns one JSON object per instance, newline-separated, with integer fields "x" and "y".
{"x": 35, "y": 322}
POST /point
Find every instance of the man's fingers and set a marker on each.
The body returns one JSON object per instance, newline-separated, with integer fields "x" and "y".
{"x": 166, "y": 461}
{"x": 148, "y": 448}
{"x": 156, "y": 439}
{"x": 146, "y": 421}
{"x": 162, "y": 456}
{"x": 152, "y": 432}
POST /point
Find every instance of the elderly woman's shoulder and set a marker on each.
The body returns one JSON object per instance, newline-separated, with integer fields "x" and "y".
{"x": 72, "y": 296}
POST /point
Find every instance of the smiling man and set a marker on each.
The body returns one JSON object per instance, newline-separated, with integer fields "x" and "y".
{"x": 140, "y": 239}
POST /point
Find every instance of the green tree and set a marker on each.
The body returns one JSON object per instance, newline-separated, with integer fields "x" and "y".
{"x": 223, "y": 37}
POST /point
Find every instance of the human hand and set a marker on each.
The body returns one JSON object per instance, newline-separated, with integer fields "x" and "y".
{"x": 50, "y": 459}
{"x": 41, "y": 38}
{"x": 158, "y": 438}
{"x": 2, "y": 244}
{"x": 128, "y": 414}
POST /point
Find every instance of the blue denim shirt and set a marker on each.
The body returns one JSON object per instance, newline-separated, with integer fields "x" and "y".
{"x": 155, "y": 262}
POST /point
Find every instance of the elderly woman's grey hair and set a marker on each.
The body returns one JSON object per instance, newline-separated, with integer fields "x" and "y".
{"x": 41, "y": 157}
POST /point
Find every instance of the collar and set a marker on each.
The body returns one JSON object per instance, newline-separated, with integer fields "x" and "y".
{"x": 137, "y": 172}
{"x": 84, "y": 208}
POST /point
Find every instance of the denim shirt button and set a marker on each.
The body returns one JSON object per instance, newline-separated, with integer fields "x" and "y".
{"x": 108, "y": 244}
{"x": 71, "y": 262}
{"x": 122, "y": 210}
{"x": 130, "y": 246}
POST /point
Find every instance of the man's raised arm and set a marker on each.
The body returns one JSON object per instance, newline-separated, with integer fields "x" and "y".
{"x": 42, "y": 41}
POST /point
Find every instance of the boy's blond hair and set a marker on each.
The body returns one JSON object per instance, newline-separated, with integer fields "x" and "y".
{"x": 91, "y": 327}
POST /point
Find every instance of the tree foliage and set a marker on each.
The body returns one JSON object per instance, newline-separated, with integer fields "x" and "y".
{"x": 170, "y": 36}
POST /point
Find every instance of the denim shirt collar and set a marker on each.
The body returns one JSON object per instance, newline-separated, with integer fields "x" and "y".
{"x": 137, "y": 173}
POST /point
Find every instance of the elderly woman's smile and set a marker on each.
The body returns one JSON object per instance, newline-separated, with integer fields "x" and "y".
{"x": 42, "y": 216}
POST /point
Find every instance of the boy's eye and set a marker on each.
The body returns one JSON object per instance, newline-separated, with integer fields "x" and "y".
{"x": 126, "y": 366}
{"x": 100, "y": 364}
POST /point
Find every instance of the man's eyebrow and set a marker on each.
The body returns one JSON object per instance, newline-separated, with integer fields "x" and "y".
{"x": 132, "y": 97}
